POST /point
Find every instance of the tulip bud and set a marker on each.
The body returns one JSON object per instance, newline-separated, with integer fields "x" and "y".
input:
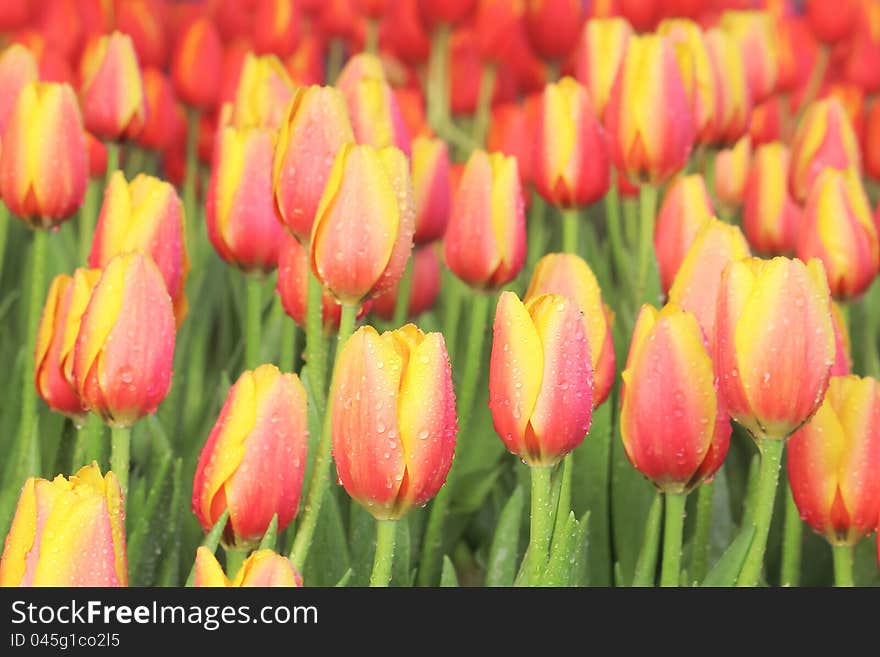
{"x": 430, "y": 177}
{"x": 834, "y": 462}
{"x": 254, "y": 459}
{"x": 145, "y": 215}
{"x": 112, "y": 92}
{"x": 124, "y": 350}
{"x": 263, "y": 93}
{"x": 774, "y": 343}
{"x": 753, "y": 32}
{"x": 734, "y": 105}
{"x": 568, "y": 275}
{"x": 362, "y": 235}
{"x": 650, "y": 126}
{"x": 832, "y": 21}
{"x": 695, "y": 287}
{"x": 511, "y": 132}
{"x": 685, "y": 209}
{"x": 824, "y": 139}
{"x": 44, "y": 168}
{"x": 311, "y": 135}
{"x": 276, "y": 26}
{"x": 797, "y": 49}
{"x": 161, "y": 111}
{"x": 485, "y": 243}
{"x": 553, "y": 26}
{"x": 393, "y": 418}
{"x": 731, "y": 170}
{"x": 241, "y": 219}
{"x": 67, "y": 532}
{"x": 53, "y": 359}
{"x": 838, "y": 228}
{"x": 540, "y": 377}
{"x": 423, "y": 291}
{"x": 263, "y": 568}
{"x": 673, "y": 423}
{"x": 771, "y": 218}
{"x": 145, "y": 21}
{"x": 571, "y": 158}
{"x": 195, "y": 64}
{"x": 17, "y": 68}
{"x": 598, "y": 57}
{"x": 842, "y": 356}
{"x": 375, "y": 114}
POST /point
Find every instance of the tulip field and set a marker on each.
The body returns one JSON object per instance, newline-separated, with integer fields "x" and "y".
{"x": 472, "y": 293}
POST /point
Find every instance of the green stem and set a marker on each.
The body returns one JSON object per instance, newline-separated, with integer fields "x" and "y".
{"x": 321, "y": 472}
{"x": 381, "y": 575}
{"x": 316, "y": 345}
{"x": 762, "y": 515}
{"x": 437, "y": 86}
{"x": 190, "y": 180}
{"x": 702, "y": 532}
{"x": 452, "y": 292}
{"x": 371, "y": 43}
{"x": 483, "y": 114}
{"x": 253, "y": 322}
{"x": 615, "y": 237}
{"x": 792, "y": 532}
{"x": 647, "y": 209}
{"x": 670, "y": 570}
{"x": 335, "y": 57}
{"x": 401, "y": 304}
{"x": 570, "y": 227}
{"x": 234, "y": 560}
{"x": 646, "y": 566}
{"x": 89, "y": 440}
{"x": 843, "y": 566}
{"x": 631, "y": 220}
{"x": 473, "y": 360}
{"x": 88, "y": 214}
{"x": 541, "y": 523}
{"x": 536, "y": 233}
{"x": 112, "y": 162}
{"x": 289, "y": 338}
{"x": 120, "y": 449}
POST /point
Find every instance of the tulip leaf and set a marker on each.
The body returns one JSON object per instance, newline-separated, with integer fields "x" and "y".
{"x": 328, "y": 557}
{"x": 472, "y": 488}
{"x": 559, "y": 566}
{"x": 169, "y": 573}
{"x": 726, "y": 569}
{"x": 211, "y": 541}
{"x": 580, "y": 571}
{"x": 362, "y": 541}
{"x": 501, "y": 568}
{"x": 315, "y": 424}
{"x": 345, "y": 579}
{"x": 448, "y": 578}
{"x": 270, "y": 538}
{"x": 646, "y": 566}
{"x": 150, "y": 527}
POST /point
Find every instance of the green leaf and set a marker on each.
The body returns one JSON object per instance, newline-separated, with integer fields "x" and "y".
{"x": 401, "y": 565}
{"x": 726, "y": 569}
{"x": 501, "y": 568}
{"x": 271, "y": 535}
{"x": 211, "y": 541}
{"x": 448, "y": 578}
{"x": 169, "y": 573}
{"x": 363, "y": 542}
{"x": 646, "y": 567}
{"x": 344, "y": 580}
{"x": 558, "y": 570}
{"x": 150, "y": 528}
{"x": 580, "y": 572}
{"x": 328, "y": 556}
{"x": 472, "y": 488}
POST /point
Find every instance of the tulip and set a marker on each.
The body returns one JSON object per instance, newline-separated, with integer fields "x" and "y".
{"x": 53, "y": 360}
{"x": 765, "y": 124}
{"x": 842, "y": 356}
{"x": 824, "y": 138}
{"x": 67, "y": 532}
{"x": 145, "y": 215}
{"x": 553, "y": 26}
{"x": 315, "y": 128}
{"x": 649, "y": 118}
{"x": 834, "y": 460}
{"x": 112, "y": 91}
{"x": 44, "y": 168}
{"x": 643, "y": 14}
{"x": 571, "y": 167}
{"x": 863, "y": 62}
{"x": 493, "y": 23}
{"x": 161, "y": 111}
{"x": 125, "y": 345}
{"x": 511, "y": 131}
{"x": 568, "y": 275}
{"x": 797, "y": 50}
{"x": 598, "y": 57}
{"x": 753, "y": 32}
{"x": 731, "y": 170}
{"x": 430, "y": 178}
{"x": 393, "y": 418}
{"x": 375, "y": 114}
{"x": 241, "y": 219}
{"x": 423, "y": 291}
{"x": 834, "y": 21}
{"x": 254, "y": 459}
{"x": 263, "y": 93}
{"x": 838, "y": 228}
{"x": 734, "y": 106}
{"x": 685, "y": 209}
{"x": 263, "y": 568}
{"x": 695, "y": 287}
{"x": 871, "y": 147}
{"x": 485, "y": 243}
{"x": 17, "y": 68}
{"x": 145, "y": 21}
{"x": 276, "y": 26}
{"x": 195, "y": 64}
{"x": 403, "y": 32}
{"x": 771, "y": 218}
{"x": 362, "y": 235}
{"x": 673, "y": 423}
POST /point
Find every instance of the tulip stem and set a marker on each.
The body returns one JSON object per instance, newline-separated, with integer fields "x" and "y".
{"x": 234, "y": 560}
{"x": 702, "y": 532}
{"x": 404, "y": 288}
{"x": 536, "y": 234}
{"x": 321, "y": 471}
{"x": 541, "y": 523}
{"x": 289, "y": 339}
{"x": 120, "y": 449}
{"x": 316, "y": 347}
{"x": 762, "y": 509}
{"x": 843, "y": 565}
{"x": 112, "y": 162}
{"x": 670, "y": 570}
{"x": 191, "y": 178}
{"x": 89, "y": 440}
{"x": 646, "y": 566}
{"x": 792, "y": 533}
{"x": 381, "y": 575}
{"x": 473, "y": 360}
{"x": 371, "y": 42}
{"x": 618, "y": 248}
{"x": 4, "y": 231}
{"x": 647, "y": 209}
{"x": 483, "y": 115}
{"x": 570, "y": 224}
{"x": 253, "y": 322}
{"x": 335, "y": 57}
{"x": 87, "y": 217}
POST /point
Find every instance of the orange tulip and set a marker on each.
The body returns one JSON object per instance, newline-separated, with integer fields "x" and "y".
{"x": 771, "y": 218}
{"x": 263, "y": 568}
{"x": 195, "y": 64}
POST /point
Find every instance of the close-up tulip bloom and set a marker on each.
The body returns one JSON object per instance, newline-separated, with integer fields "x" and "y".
{"x": 393, "y": 418}
{"x": 771, "y": 218}
{"x": 67, "y": 532}
{"x": 540, "y": 377}
{"x": 600, "y": 51}
{"x": 431, "y": 189}
{"x": 485, "y": 243}
{"x": 125, "y": 345}
{"x": 263, "y": 568}
{"x": 254, "y": 459}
